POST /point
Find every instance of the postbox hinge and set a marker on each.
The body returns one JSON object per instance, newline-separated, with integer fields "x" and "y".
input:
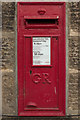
{"x": 24, "y": 91}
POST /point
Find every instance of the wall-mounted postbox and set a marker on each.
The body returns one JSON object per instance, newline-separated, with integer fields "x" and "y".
{"x": 41, "y": 59}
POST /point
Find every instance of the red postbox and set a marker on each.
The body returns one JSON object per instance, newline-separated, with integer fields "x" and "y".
{"x": 41, "y": 58}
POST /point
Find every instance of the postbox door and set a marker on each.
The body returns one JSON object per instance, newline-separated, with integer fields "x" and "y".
{"x": 41, "y": 82}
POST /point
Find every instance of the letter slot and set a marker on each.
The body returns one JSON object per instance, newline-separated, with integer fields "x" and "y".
{"x": 41, "y": 22}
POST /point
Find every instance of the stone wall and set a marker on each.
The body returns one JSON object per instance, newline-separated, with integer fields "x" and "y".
{"x": 8, "y": 59}
{"x": 9, "y": 74}
{"x": 73, "y": 57}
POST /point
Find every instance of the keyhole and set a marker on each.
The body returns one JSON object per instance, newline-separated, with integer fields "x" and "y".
{"x": 30, "y": 71}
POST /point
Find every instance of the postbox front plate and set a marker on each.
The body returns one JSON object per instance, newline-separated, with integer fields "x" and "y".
{"x": 41, "y": 59}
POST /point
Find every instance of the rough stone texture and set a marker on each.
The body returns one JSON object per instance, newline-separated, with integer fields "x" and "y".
{"x": 73, "y": 52}
{"x": 73, "y": 58}
{"x": 9, "y": 59}
{"x": 74, "y": 15}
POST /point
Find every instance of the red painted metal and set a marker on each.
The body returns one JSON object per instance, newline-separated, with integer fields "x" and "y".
{"x": 41, "y": 88}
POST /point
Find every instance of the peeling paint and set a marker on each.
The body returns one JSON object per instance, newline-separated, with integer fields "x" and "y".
{"x": 55, "y": 89}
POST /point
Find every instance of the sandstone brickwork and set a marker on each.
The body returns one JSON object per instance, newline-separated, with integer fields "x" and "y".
{"x": 73, "y": 57}
{"x": 8, "y": 59}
